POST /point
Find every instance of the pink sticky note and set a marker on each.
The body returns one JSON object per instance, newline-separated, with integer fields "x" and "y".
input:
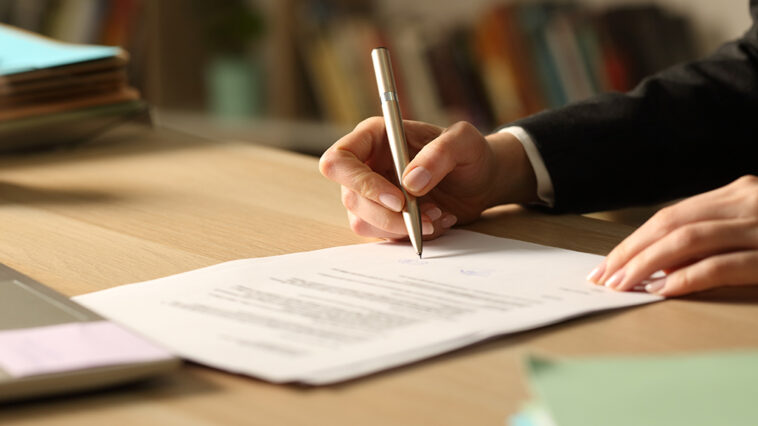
{"x": 72, "y": 346}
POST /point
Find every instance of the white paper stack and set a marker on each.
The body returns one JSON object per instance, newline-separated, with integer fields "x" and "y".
{"x": 335, "y": 314}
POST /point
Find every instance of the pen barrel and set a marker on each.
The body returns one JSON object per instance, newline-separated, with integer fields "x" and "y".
{"x": 396, "y": 136}
{"x": 385, "y": 78}
{"x": 393, "y": 121}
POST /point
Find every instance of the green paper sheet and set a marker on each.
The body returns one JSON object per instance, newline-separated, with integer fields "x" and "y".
{"x": 692, "y": 390}
{"x": 533, "y": 414}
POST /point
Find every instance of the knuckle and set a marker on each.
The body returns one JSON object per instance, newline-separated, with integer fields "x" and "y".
{"x": 461, "y": 128}
{"x": 364, "y": 185}
{"x": 675, "y": 283}
{"x": 612, "y": 261}
{"x": 386, "y": 222}
{"x": 437, "y": 151}
{"x": 751, "y": 201}
{"x": 747, "y": 180}
{"x": 641, "y": 262}
{"x": 349, "y": 199}
{"x": 443, "y": 152}
{"x": 713, "y": 268}
{"x": 664, "y": 218}
{"x": 619, "y": 254}
{"x": 371, "y": 122}
{"x": 687, "y": 237}
{"x": 662, "y": 215}
{"x": 684, "y": 280}
{"x": 440, "y": 157}
{"x": 697, "y": 277}
{"x": 358, "y": 226}
{"x": 327, "y": 163}
{"x": 748, "y": 191}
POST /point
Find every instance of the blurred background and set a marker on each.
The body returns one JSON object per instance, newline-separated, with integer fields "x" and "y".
{"x": 297, "y": 73}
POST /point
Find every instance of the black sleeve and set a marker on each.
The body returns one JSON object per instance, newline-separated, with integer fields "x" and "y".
{"x": 685, "y": 130}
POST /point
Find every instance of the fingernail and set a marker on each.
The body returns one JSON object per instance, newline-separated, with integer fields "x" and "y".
{"x": 434, "y": 213}
{"x": 391, "y": 202}
{"x": 427, "y": 228}
{"x": 615, "y": 279}
{"x": 596, "y": 273}
{"x": 417, "y": 179}
{"x": 448, "y": 221}
{"x": 655, "y": 286}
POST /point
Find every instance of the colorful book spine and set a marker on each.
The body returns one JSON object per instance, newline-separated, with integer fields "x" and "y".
{"x": 516, "y": 59}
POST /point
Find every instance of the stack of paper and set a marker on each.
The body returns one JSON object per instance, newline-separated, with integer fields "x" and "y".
{"x": 692, "y": 390}
{"x": 335, "y": 314}
{"x": 53, "y": 92}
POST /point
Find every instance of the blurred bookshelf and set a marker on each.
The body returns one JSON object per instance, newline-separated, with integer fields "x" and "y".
{"x": 297, "y": 73}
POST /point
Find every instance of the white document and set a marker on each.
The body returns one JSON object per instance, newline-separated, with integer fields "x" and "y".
{"x": 330, "y": 315}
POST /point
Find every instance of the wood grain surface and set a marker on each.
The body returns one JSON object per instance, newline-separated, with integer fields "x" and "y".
{"x": 140, "y": 204}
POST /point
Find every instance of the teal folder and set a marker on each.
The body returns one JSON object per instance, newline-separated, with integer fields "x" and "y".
{"x": 21, "y": 51}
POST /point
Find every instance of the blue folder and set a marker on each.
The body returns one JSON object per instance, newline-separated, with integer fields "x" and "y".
{"x": 21, "y": 51}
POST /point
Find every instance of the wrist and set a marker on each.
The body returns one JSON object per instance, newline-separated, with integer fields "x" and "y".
{"x": 514, "y": 180}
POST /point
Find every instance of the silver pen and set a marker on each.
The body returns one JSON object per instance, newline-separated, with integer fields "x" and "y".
{"x": 385, "y": 80}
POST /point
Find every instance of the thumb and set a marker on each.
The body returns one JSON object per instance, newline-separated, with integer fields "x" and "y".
{"x": 457, "y": 145}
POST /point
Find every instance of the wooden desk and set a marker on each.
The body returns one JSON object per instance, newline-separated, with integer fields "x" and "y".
{"x": 150, "y": 204}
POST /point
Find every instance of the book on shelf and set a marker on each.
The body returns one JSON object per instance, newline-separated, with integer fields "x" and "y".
{"x": 516, "y": 59}
{"x": 500, "y": 65}
{"x": 54, "y": 93}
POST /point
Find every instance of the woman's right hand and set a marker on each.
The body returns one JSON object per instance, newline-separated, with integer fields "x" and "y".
{"x": 456, "y": 173}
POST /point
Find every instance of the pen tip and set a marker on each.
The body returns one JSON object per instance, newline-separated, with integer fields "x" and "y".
{"x": 419, "y": 255}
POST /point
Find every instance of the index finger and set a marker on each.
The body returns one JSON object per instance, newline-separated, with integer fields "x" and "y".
{"x": 345, "y": 162}
{"x": 350, "y": 160}
{"x": 663, "y": 223}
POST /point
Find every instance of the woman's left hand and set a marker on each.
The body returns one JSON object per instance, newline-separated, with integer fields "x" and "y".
{"x": 705, "y": 241}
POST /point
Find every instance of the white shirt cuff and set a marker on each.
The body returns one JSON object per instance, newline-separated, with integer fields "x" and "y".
{"x": 544, "y": 183}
